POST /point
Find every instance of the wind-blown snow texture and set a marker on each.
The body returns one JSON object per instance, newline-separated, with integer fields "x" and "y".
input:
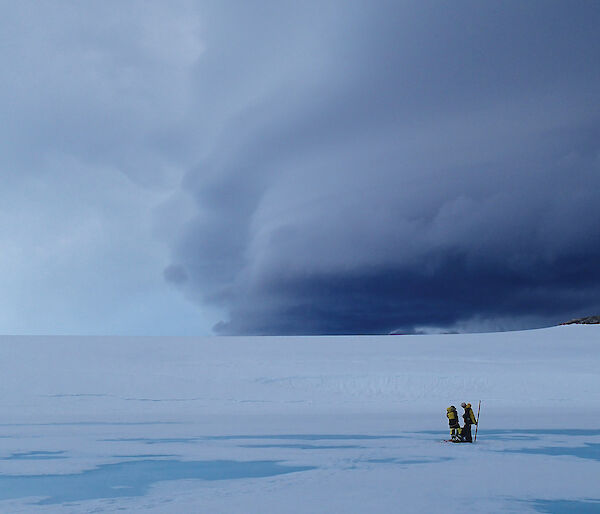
{"x": 320, "y": 424}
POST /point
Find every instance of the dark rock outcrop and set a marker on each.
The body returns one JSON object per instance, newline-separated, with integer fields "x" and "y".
{"x": 590, "y": 320}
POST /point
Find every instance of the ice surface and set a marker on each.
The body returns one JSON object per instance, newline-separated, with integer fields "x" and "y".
{"x": 567, "y": 507}
{"x": 331, "y": 424}
{"x": 131, "y": 478}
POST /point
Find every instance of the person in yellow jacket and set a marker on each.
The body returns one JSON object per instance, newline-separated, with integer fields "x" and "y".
{"x": 469, "y": 419}
{"x": 452, "y": 416}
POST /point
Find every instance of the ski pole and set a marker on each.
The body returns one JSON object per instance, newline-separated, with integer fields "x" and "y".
{"x": 477, "y": 425}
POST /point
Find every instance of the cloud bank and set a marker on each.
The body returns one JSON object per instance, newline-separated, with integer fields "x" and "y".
{"x": 94, "y": 102}
{"x": 298, "y": 168}
{"x": 370, "y": 168}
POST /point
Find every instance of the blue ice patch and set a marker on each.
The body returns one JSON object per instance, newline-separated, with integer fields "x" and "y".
{"x": 300, "y": 446}
{"x": 588, "y": 451}
{"x": 567, "y": 506}
{"x": 37, "y": 455}
{"x": 131, "y": 478}
{"x": 309, "y": 437}
{"x": 409, "y": 462}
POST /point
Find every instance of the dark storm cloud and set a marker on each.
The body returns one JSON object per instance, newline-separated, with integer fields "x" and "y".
{"x": 377, "y": 167}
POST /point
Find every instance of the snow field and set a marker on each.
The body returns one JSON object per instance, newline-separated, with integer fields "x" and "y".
{"x": 350, "y": 424}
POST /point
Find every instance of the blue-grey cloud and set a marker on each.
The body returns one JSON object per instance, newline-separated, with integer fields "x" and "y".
{"x": 389, "y": 166}
{"x": 345, "y": 167}
{"x": 95, "y": 102}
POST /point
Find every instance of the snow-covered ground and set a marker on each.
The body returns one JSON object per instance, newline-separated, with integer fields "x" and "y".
{"x": 304, "y": 424}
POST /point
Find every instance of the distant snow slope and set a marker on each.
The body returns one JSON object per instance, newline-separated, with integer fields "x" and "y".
{"x": 312, "y": 416}
{"x": 72, "y": 378}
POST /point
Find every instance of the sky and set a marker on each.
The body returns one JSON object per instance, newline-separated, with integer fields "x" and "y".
{"x": 278, "y": 167}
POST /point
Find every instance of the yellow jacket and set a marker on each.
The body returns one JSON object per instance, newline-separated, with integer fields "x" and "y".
{"x": 468, "y": 416}
{"x": 452, "y": 416}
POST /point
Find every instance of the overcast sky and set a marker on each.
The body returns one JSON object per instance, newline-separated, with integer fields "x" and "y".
{"x": 275, "y": 167}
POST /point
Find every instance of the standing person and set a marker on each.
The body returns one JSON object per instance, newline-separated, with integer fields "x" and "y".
{"x": 469, "y": 419}
{"x": 452, "y": 416}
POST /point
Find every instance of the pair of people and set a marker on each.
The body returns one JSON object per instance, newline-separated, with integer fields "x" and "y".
{"x": 457, "y": 433}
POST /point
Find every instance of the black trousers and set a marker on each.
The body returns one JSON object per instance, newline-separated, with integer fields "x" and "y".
{"x": 466, "y": 434}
